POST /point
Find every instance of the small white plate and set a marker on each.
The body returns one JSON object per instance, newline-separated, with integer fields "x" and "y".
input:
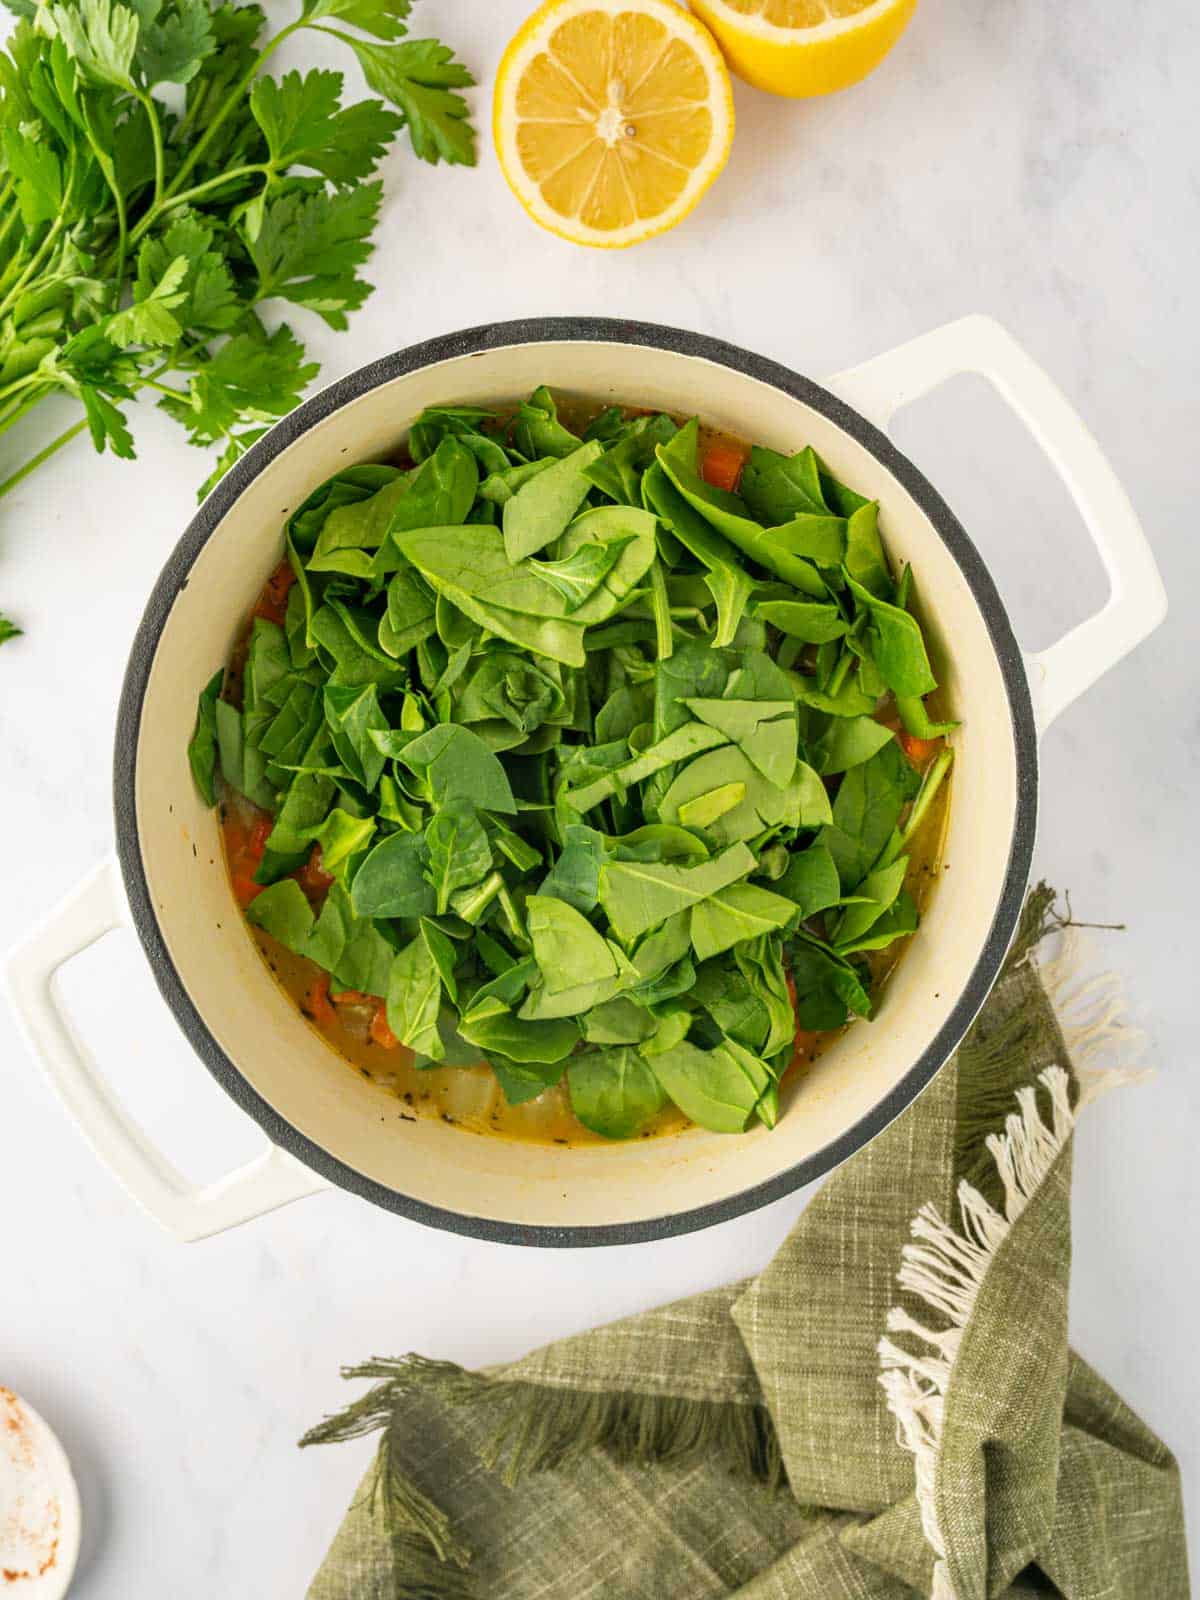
{"x": 39, "y": 1506}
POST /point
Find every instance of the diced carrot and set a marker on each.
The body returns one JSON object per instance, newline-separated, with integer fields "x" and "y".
{"x": 380, "y": 1031}
{"x": 272, "y": 602}
{"x": 348, "y": 997}
{"x": 317, "y": 1001}
{"x": 919, "y": 751}
{"x": 722, "y": 466}
{"x": 312, "y": 877}
{"x": 245, "y": 889}
{"x": 256, "y": 844}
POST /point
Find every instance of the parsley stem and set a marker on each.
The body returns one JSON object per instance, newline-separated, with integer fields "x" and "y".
{"x": 156, "y": 138}
{"x": 18, "y": 408}
{"x": 229, "y": 103}
{"x": 47, "y": 244}
{"x": 170, "y": 201}
{"x": 43, "y": 455}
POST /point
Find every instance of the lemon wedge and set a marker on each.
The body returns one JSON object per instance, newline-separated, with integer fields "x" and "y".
{"x": 805, "y": 47}
{"x": 611, "y": 117}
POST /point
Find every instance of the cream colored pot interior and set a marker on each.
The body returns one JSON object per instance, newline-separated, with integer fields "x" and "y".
{"x": 289, "y": 1065}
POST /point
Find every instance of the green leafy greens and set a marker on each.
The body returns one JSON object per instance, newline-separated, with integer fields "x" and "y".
{"x": 157, "y": 188}
{"x": 601, "y": 760}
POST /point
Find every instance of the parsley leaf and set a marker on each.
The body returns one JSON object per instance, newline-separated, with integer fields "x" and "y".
{"x": 309, "y": 244}
{"x": 254, "y": 376}
{"x": 144, "y": 230}
{"x": 304, "y": 125}
{"x": 383, "y": 18}
{"x": 8, "y": 630}
{"x": 418, "y": 77}
{"x": 172, "y": 44}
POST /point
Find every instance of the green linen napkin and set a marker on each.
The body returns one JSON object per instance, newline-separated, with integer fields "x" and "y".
{"x": 890, "y": 1410}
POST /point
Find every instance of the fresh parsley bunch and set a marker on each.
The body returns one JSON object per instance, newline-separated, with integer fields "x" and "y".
{"x": 141, "y": 227}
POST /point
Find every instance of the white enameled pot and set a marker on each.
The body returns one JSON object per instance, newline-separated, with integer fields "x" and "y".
{"x": 323, "y": 1120}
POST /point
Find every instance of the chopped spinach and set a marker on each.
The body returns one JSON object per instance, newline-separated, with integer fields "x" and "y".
{"x": 599, "y": 759}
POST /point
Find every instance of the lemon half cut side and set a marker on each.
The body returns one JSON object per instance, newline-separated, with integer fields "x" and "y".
{"x": 612, "y": 117}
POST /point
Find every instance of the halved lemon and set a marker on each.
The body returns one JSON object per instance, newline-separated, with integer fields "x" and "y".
{"x": 805, "y": 47}
{"x": 611, "y": 117}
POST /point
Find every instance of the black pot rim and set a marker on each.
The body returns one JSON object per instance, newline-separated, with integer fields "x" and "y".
{"x": 474, "y": 341}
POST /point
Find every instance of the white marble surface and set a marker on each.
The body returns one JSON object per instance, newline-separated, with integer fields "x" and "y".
{"x": 1034, "y": 162}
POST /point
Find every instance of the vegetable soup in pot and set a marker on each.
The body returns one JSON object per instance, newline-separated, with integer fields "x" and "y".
{"x": 582, "y": 774}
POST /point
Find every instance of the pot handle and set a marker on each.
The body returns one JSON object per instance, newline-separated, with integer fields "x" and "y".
{"x": 92, "y": 909}
{"x": 1137, "y": 602}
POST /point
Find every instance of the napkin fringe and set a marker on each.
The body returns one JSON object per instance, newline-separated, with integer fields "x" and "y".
{"x": 536, "y": 1428}
{"x": 430, "y": 1562}
{"x": 945, "y": 1268}
{"x": 539, "y": 1427}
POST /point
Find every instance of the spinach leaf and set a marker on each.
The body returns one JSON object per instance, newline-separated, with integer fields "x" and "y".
{"x": 897, "y": 922}
{"x": 414, "y": 995}
{"x": 346, "y": 488}
{"x": 495, "y": 1028}
{"x": 341, "y": 642}
{"x": 579, "y": 576}
{"x": 353, "y": 532}
{"x": 865, "y": 812}
{"x": 575, "y": 876}
{"x": 568, "y": 950}
{"x": 436, "y": 422}
{"x": 411, "y": 613}
{"x": 876, "y": 895}
{"x": 802, "y": 804}
{"x": 618, "y": 473}
{"x": 202, "y": 747}
{"x": 731, "y": 588}
{"x": 810, "y": 621}
{"x": 614, "y": 1092}
{"x": 631, "y": 528}
{"x": 760, "y": 962}
{"x": 729, "y": 515}
{"x": 619, "y": 1021}
{"x": 506, "y": 685}
{"x": 392, "y": 881}
{"x": 741, "y": 912}
{"x": 638, "y": 896}
{"x": 457, "y": 850}
{"x": 500, "y": 486}
{"x": 537, "y": 430}
{"x": 811, "y": 881}
{"x": 524, "y": 1082}
{"x": 366, "y": 958}
{"x": 457, "y": 765}
{"x": 342, "y": 839}
{"x": 777, "y": 488}
{"x": 763, "y": 730}
{"x": 542, "y": 507}
{"x": 350, "y": 715}
{"x": 683, "y": 743}
{"x": 865, "y": 560}
{"x": 897, "y": 645}
{"x": 283, "y": 911}
{"x": 305, "y": 805}
{"x": 718, "y": 1089}
{"x": 848, "y": 742}
{"x": 827, "y": 986}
